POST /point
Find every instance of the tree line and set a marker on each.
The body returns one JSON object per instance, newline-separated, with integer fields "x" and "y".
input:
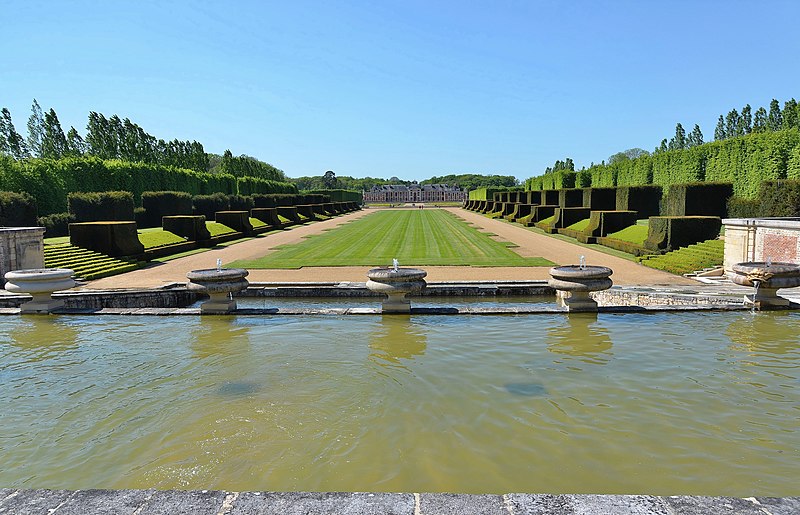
{"x": 118, "y": 138}
{"x": 469, "y": 181}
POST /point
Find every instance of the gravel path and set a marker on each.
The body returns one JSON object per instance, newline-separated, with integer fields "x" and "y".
{"x": 530, "y": 244}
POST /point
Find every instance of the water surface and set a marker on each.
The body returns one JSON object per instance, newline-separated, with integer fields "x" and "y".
{"x": 689, "y": 403}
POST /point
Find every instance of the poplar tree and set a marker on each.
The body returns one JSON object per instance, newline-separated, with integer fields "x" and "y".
{"x": 35, "y": 130}
{"x": 75, "y": 144}
{"x": 760, "y": 120}
{"x": 680, "y": 137}
{"x": 746, "y": 121}
{"x": 732, "y": 124}
{"x": 719, "y": 132}
{"x": 11, "y": 142}
{"x": 695, "y": 137}
{"x": 54, "y": 142}
{"x": 790, "y": 114}
{"x": 774, "y": 118}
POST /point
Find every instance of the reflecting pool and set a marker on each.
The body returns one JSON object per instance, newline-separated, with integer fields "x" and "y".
{"x": 690, "y": 403}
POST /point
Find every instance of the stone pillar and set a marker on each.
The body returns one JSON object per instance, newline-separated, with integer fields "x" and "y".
{"x": 20, "y": 248}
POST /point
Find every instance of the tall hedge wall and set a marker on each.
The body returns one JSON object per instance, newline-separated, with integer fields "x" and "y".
{"x": 745, "y": 162}
{"x": 488, "y": 193}
{"x": 49, "y": 181}
{"x": 340, "y": 195}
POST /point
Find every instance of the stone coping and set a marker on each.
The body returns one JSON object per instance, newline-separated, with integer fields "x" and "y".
{"x": 777, "y": 223}
{"x": 213, "y": 502}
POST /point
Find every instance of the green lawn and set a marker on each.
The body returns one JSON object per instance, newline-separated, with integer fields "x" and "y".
{"x": 414, "y": 237}
{"x": 635, "y": 234}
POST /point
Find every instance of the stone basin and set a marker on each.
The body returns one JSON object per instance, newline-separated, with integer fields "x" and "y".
{"x": 219, "y": 284}
{"x": 396, "y": 283}
{"x": 40, "y": 283}
{"x": 767, "y": 279}
{"x": 574, "y": 283}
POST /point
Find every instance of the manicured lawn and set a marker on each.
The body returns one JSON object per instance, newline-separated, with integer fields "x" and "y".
{"x": 414, "y": 237}
{"x": 158, "y": 237}
{"x": 217, "y": 229}
{"x": 635, "y": 234}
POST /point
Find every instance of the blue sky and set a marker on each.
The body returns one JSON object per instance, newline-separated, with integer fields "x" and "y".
{"x": 408, "y": 89}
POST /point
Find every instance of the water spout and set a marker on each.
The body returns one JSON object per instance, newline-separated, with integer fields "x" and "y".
{"x": 219, "y": 265}
{"x": 395, "y": 265}
{"x": 769, "y": 261}
{"x": 583, "y": 263}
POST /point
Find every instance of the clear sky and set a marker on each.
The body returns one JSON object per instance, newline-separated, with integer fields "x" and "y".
{"x": 410, "y": 88}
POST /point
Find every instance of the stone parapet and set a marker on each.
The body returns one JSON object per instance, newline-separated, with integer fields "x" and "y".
{"x": 20, "y": 248}
{"x": 761, "y": 239}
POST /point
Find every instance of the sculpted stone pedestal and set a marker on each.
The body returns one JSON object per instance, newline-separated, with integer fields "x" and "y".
{"x": 574, "y": 283}
{"x": 40, "y": 283}
{"x": 396, "y": 283}
{"x": 219, "y": 284}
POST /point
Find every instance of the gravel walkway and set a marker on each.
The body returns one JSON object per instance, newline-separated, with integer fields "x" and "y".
{"x": 529, "y": 242}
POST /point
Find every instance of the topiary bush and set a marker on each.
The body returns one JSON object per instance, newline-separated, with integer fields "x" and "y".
{"x": 101, "y": 206}
{"x": 671, "y": 232}
{"x": 158, "y": 204}
{"x": 779, "y": 198}
{"x": 645, "y": 200}
{"x": 17, "y": 210}
{"x": 56, "y": 224}
{"x": 743, "y": 208}
{"x": 698, "y": 199}
{"x": 240, "y": 203}
{"x": 208, "y": 205}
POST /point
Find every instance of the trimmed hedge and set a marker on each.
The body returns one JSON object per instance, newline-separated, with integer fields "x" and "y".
{"x": 671, "y": 232}
{"x": 600, "y": 199}
{"x": 779, "y": 198}
{"x": 56, "y": 224}
{"x": 239, "y": 221}
{"x": 645, "y": 200}
{"x": 158, "y": 204}
{"x": 191, "y": 227}
{"x": 339, "y": 195}
{"x": 698, "y": 199}
{"x": 17, "y": 210}
{"x": 208, "y": 205}
{"x": 603, "y": 223}
{"x": 570, "y": 198}
{"x": 240, "y": 203}
{"x": 112, "y": 238}
{"x": 101, "y": 207}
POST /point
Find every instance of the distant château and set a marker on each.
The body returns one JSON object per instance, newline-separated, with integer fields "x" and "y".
{"x": 398, "y": 193}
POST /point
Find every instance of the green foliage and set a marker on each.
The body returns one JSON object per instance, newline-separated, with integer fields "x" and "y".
{"x": 104, "y": 206}
{"x": 488, "y": 193}
{"x": 11, "y": 142}
{"x": 743, "y": 208}
{"x": 698, "y": 199}
{"x": 158, "y": 204}
{"x": 240, "y": 203}
{"x": 339, "y": 195}
{"x": 688, "y": 259}
{"x": 247, "y": 166}
{"x": 56, "y": 224}
{"x": 17, "y": 210}
{"x": 672, "y": 232}
{"x": 208, "y": 205}
{"x": 779, "y": 198}
{"x": 471, "y": 181}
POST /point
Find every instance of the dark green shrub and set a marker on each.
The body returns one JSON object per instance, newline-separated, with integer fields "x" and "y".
{"x": 56, "y": 224}
{"x": 193, "y": 228}
{"x": 112, "y": 238}
{"x": 102, "y": 206}
{"x": 158, "y": 204}
{"x": 743, "y": 208}
{"x": 240, "y": 203}
{"x": 237, "y": 220}
{"x": 208, "y": 205}
{"x": 779, "y": 198}
{"x": 645, "y": 200}
{"x": 570, "y": 198}
{"x": 600, "y": 199}
{"x": 17, "y": 210}
{"x": 340, "y": 196}
{"x": 671, "y": 232}
{"x": 603, "y": 223}
{"x": 140, "y": 217}
{"x": 698, "y": 199}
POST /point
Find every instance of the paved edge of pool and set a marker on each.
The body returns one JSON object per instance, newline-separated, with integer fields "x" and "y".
{"x": 143, "y": 502}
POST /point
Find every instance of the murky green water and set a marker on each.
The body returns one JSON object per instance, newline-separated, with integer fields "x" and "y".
{"x": 691, "y": 403}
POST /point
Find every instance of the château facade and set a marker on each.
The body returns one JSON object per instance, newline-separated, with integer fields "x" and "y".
{"x": 398, "y": 193}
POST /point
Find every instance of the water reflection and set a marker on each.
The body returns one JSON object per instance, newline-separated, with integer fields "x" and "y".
{"x": 42, "y": 337}
{"x": 396, "y": 341}
{"x": 219, "y": 335}
{"x": 582, "y": 337}
{"x": 774, "y": 332}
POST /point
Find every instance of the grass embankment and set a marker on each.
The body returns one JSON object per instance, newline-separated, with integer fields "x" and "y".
{"x": 635, "y": 234}
{"x": 158, "y": 237}
{"x": 414, "y": 237}
{"x": 685, "y": 260}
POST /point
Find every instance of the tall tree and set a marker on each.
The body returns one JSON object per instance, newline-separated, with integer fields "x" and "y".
{"x": 680, "y": 137}
{"x": 746, "y": 121}
{"x": 719, "y": 132}
{"x": 732, "y": 124}
{"x": 329, "y": 180}
{"x": 75, "y": 144}
{"x": 760, "y": 120}
{"x": 54, "y": 142}
{"x": 35, "y": 130}
{"x": 774, "y": 118}
{"x": 11, "y": 142}
{"x": 695, "y": 137}
{"x": 790, "y": 114}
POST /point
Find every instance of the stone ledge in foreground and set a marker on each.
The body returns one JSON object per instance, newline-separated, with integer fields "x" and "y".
{"x": 144, "y": 502}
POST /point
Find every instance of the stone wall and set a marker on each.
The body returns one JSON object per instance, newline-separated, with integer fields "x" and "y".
{"x": 761, "y": 239}
{"x": 20, "y": 248}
